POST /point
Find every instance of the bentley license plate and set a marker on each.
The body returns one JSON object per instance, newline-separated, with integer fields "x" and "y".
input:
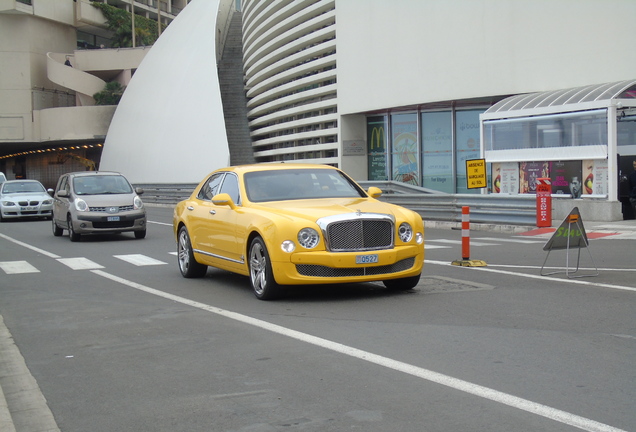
{"x": 366, "y": 259}
{"x": 113, "y": 218}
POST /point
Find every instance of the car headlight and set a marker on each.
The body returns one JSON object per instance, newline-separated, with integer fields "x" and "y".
{"x": 308, "y": 238}
{"x": 8, "y": 203}
{"x": 138, "y": 203}
{"x": 405, "y": 232}
{"x": 47, "y": 202}
{"x": 81, "y": 205}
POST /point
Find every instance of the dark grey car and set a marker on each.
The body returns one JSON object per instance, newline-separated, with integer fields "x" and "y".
{"x": 94, "y": 202}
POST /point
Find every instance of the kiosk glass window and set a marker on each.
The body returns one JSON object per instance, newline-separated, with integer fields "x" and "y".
{"x": 583, "y": 128}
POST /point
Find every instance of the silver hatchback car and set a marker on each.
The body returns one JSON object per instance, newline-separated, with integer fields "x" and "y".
{"x": 95, "y": 202}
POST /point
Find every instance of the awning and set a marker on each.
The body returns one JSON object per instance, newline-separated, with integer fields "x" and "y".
{"x": 573, "y": 96}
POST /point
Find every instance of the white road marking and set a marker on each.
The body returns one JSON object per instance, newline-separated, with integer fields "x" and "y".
{"x": 472, "y": 243}
{"x": 80, "y": 263}
{"x": 17, "y": 267}
{"x": 425, "y": 374}
{"x": 28, "y": 246}
{"x": 531, "y": 276}
{"x": 139, "y": 260}
{"x": 509, "y": 240}
{"x": 430, "y": 246}
{"x": 160, "y": 223}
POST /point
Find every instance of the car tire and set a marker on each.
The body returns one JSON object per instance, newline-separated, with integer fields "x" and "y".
{"x": 75, "y": 237}
{"x": 261, "y": 275}
{"x": 57, "y": 231}
{"x": 140, "y": 234}
{"x": 188, "y": 266}
{"x": 402, "y": 284}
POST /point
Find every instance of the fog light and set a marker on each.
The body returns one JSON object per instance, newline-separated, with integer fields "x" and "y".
{"x": 82, "y": 225}
{"x": 288, "y": 246}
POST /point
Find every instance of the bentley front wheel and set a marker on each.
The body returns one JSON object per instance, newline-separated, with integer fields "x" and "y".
{"x": 261, "y": 275}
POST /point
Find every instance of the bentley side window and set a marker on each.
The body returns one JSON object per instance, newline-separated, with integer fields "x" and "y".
{"x": 230, "y": 186}
{"x": 210, "y": 188}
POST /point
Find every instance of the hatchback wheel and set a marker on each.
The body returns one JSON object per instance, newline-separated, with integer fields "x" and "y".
{"x": 75, "y": 237}
{"x": 188, "y": 266}
{"x": 57, "y": 231}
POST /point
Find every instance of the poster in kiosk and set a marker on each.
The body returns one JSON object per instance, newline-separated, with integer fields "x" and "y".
{"x": 569, "y": 235}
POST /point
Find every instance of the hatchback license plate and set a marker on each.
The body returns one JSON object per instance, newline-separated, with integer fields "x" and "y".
{"x": 366, "y": 259}
{"x": 113, "y": 219}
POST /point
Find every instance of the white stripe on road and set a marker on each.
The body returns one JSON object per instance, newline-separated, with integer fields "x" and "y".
{"x": 17, "y": 267}
{"x": 472, "y": 243}
{"x": 509, "y": 240}
{"x": 139, "y": 260}
{"x": 80, "y": 263}
{"x": 28, "y": 246}
{"x": 448, "y": 381}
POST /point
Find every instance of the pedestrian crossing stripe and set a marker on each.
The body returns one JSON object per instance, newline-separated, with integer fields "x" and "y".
{"x": 17, "y": 267}
{"x": 139, "y": 260}
{"x": 80, "y": 263}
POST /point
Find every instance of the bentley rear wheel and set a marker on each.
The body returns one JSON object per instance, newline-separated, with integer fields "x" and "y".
{"x": 261, "y": 275}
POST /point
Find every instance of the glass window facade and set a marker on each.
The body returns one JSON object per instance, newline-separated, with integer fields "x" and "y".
{"x": 425, "y": 148}
{"x": 437, "y": 151}
{"x": 377, "y": 129}
{"x": 405, "y": 149}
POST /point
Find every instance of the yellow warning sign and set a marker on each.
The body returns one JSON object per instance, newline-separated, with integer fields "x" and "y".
{"x": 476, "y": 173}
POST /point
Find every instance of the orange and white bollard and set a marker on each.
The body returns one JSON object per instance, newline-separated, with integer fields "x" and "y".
{"x": 466, "y": 261}
{"x": 465, "y": 233}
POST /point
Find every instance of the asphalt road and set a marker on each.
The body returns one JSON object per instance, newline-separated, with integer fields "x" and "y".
{"x": 105, "y": 335}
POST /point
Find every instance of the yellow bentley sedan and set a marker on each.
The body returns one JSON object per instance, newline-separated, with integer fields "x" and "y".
{"x": 294, "y": 224}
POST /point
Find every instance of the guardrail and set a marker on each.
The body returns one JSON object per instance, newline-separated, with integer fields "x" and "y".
{"x": 437, "y": 206}
{"x": 431, "y": 205}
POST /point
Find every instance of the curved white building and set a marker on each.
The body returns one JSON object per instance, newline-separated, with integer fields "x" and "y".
{"x": 169, "y": 126}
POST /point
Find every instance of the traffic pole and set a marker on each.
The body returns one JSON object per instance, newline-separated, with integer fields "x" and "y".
{"x": 465, "y": 233}
{"x": 466, "y": 261}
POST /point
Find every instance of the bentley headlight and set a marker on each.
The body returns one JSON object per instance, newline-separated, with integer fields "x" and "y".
{"x": 308, "y": 238}
{"x": 405, "y": 232}
{"x": 138, "y": 203}
{"x": 81, "y": 205}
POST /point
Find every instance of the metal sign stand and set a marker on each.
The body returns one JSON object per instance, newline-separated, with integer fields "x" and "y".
{"x": 570, "y": 234}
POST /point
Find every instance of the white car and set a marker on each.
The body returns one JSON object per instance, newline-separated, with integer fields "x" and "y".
{"x": 24, "y": 199}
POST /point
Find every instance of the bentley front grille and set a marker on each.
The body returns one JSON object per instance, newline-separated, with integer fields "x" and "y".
{"x": 359, "y": 235}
